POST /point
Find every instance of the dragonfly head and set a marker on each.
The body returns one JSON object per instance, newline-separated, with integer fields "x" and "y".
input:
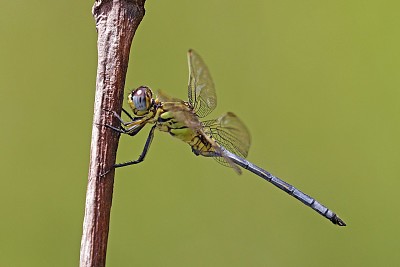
{"x": 141, "y": 100}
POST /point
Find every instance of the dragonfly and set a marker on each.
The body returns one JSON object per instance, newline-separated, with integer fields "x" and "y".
{"x": 225, "y": 139}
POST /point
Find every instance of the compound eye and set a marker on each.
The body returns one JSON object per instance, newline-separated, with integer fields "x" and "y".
{"x": 140, "y": 100}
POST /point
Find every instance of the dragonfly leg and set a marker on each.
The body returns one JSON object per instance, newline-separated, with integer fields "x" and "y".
{"x": 144, "y": 152}
{"x": 130, "y": 131}
{"x": 119, "y": 130}
{"x": 121, "y": 120}
{"x": 131, "y": 128}
{"x": 127, "y": 114}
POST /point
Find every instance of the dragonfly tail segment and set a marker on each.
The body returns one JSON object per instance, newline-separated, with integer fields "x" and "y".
{"x": 291, "y": 190}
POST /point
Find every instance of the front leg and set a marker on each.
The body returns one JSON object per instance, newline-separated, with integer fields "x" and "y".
{"x": 131, "y": 127}
{"x": 132, "y": 130}
{"x": 129, "y": 115}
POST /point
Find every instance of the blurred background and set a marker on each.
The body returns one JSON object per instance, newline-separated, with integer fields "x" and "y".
{"x": 316, "y": 83}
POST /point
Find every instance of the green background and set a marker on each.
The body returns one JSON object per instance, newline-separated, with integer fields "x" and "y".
{"x": 316, "y": 83}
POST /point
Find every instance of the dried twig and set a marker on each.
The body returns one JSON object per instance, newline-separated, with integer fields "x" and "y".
{"x": 116, "y": 23}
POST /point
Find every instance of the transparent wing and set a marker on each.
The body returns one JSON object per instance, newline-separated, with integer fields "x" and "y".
{"x": 201, "y": 90}
{"x": 229, "y": 132}
{"x": 181, "y": 111}
{"x": 164, "y": 97}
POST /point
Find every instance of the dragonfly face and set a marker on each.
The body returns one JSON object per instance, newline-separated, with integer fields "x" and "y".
{"x": 141, "y": 100}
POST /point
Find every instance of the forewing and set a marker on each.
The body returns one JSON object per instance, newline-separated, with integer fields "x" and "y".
{"x": 163, "y": 97}
{"x": 181, "y": 111}
{"x": 201, "y": 90}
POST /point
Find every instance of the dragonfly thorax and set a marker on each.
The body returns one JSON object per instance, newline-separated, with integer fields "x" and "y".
{"x": 141, "y": 100}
